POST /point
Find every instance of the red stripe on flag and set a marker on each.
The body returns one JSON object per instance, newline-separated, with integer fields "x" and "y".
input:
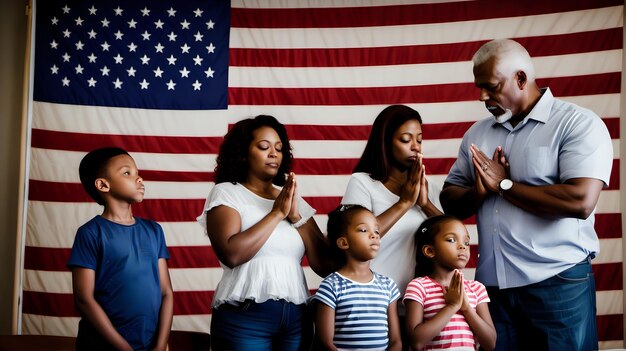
{"x": 608, "y": 225}
{"x": 337, "y": 17}
{"x": 48, "y": 304}
{"x": 605, "y": 83}
{"x": 46, "y": 258}
{"x": 55, "y": 140}
{"x": 345, "y": 166}
{"x": 178, "y": 176}
{"x": 192, "y": 257}
{"x": 324, "y": 166}
{"x": 55, "y": 259}
{"x": 39, "y": 190}
{"x": 608, "y": 276}
{"x": 169, "y": 210}
{"x": 561, "y": 44}
{"x": 174, "y": 210}
{"x": 327, "y": 132}
{"x": 160, "y": 210}
{"x": 192, "y": 302}
{"x": 614, "y": 178}
{"x": 436, "y": 131}
{"x": 62, "y": 305}
{"x": 612, "y": 124}
{"x": 361, "y": 132}
{"x": 323, "y": 204}
{"x": 473, "y": 259}
{"x": 610, "y": 327}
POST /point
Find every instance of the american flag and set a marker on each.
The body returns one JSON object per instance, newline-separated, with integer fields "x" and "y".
{"x": 165, "y": 79}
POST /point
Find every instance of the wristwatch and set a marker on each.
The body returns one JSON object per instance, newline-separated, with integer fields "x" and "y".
{"x": 504, "y": 185}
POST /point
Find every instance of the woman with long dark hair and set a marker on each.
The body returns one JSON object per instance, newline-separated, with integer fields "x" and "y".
{"x": 390, "y": 181}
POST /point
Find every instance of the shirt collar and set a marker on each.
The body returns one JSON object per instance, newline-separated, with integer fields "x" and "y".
{"x": 540, "y": 112}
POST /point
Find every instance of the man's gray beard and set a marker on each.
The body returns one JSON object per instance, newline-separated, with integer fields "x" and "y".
{"x": 504, "y": 117}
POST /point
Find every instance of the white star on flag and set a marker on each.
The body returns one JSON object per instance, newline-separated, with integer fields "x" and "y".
{"x": 134, "y": 45}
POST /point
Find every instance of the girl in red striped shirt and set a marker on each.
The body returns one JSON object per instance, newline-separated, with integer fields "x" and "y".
{"x": 443, "y": 310}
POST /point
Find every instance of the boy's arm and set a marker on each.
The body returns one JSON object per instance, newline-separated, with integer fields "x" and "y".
{"x": 481, "y": 324}
{"x": 395, "y": 341}
{"x": 167, "y": 306}
{"x": 83, "y": 282}
{"x": 325, "y": 326}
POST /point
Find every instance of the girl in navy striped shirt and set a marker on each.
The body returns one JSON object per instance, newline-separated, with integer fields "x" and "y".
{"x": 357, "y": 307}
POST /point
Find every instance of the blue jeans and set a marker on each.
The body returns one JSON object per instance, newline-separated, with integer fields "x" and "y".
{"x": 250, "y": 326}
{"x": 558, "y": 313}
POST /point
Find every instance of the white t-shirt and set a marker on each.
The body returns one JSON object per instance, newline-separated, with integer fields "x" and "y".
{"x": 396, "y": 258}
{"x": 275, "y": 272}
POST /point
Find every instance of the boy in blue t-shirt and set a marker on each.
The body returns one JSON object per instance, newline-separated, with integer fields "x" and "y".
{"x": 119, "y": 268}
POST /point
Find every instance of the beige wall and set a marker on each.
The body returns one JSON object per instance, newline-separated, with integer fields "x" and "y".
{"x": 13, "y": 29}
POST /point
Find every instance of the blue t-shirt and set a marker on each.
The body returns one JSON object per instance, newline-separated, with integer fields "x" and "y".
{"x": 361, "y": 320}
{"x": 127, "y": 286}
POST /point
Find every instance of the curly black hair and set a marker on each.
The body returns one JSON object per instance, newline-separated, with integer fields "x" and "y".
{"x": 425, "y": 235}
{"x": 232, "y": 160}
{"x": 377, "y": 156}
{"x": 94, "y": 166}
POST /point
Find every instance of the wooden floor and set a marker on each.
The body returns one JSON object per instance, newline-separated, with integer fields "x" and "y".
{"x": 36, "y": 343}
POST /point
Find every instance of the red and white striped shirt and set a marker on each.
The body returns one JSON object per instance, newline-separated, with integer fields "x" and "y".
{"x": 457, "y": 333}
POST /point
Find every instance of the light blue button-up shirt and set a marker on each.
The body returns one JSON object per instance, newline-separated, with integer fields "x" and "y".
{"x": 557, "y": 141}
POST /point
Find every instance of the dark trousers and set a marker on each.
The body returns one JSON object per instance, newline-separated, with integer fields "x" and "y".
{"x": 557, "y": 314}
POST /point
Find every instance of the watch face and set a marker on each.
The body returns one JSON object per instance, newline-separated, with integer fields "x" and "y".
{"x": 506, "y": 184}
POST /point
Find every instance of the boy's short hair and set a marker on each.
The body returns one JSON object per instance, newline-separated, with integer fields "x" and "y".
{"x": 94, "y": 166}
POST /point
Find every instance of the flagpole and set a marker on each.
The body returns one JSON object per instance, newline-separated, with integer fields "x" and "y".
{"x": 16, "y": 327}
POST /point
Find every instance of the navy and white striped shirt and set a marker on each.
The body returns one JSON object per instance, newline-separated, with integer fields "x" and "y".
{"x": 360, "y": 310}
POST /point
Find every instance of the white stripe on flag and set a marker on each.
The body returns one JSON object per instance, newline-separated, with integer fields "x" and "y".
{"x": 413, "y": 75}
{"x": 431, "y": 33}
{"x": 75, "y": 118}
{"x": 325, "y": 4}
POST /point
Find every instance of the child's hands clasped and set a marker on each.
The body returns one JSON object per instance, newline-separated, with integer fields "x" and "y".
{"x": 455, "y": 294}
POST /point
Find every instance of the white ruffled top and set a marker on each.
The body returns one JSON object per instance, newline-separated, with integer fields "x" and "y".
{"x": 275, "y": 272}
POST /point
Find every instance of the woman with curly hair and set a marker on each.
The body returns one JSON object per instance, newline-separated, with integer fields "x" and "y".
{"x": 260, "y": 233}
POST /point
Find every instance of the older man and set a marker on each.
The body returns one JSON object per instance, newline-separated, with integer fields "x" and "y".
{"x": 532, "y": 175}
